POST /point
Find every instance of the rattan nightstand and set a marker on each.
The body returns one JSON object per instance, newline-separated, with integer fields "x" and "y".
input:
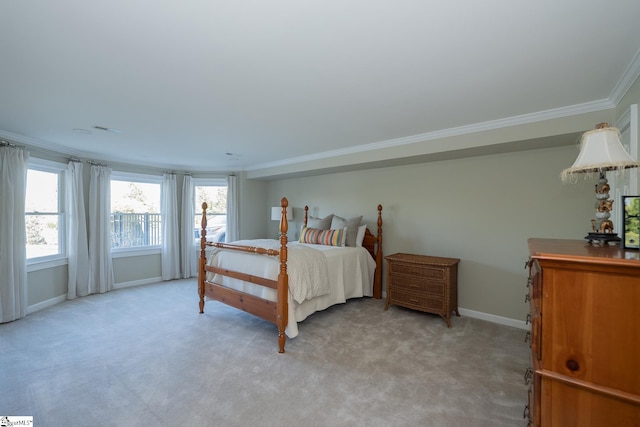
{"x": 424, "y": 283}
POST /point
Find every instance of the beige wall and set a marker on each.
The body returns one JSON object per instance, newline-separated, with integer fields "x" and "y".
{"x": 254, "y": 208}
{"x": 47, "y": 284}
{"x": 136, "y": 268}
{"x": 481, "y": 210}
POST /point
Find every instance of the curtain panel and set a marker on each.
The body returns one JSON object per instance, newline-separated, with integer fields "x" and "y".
{"x": 13, "y": 245}
{"x": 77, "y": 242}
{"x": 233, "y": 216}
{"x": 101, "y": 267}
{"x": 170, "y": 253}
{"x": 188, "y": 249}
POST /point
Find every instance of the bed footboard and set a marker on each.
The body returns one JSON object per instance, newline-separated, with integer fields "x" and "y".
{"x": 275, "y": 312}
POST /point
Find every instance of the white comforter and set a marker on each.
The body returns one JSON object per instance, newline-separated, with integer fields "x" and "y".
{"x": 307, "y": 267}
{"x": 349, "y": 274}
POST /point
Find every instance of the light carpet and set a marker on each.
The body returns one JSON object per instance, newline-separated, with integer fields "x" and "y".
{"x": 143, "y": 356}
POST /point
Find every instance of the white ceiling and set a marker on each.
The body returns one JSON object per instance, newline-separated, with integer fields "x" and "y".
{"x": 186, "y": 82}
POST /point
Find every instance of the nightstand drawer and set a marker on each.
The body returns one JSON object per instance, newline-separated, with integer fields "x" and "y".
{"x": 417, "y": 284}
{"x": 420, "y": 302}
{"x": 418, "y": 270}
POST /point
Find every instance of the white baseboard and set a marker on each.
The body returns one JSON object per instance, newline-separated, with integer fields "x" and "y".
{"x": 520, "y": 324}
{"x": 44, "y": 304}
{"x": 53, "y": 301}
{"x": 137, "y": 282}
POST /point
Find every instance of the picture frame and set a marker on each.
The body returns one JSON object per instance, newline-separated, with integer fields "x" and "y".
{"x": 631, "y": 222}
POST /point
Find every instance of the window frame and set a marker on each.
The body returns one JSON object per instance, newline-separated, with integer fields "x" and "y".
{"x": 61, "y": 258}
{"x": 145, "y": 179}
{"x": 206, "y": 182}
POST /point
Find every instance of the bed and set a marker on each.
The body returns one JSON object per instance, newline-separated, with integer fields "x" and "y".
{"x": 254, "y": 275}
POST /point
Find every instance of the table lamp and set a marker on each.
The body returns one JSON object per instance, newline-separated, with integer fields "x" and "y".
{"x": 276, "y": 215}
{"x": 600, "y": 151}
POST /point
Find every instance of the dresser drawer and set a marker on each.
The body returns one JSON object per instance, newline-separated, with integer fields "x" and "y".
{"x": 417, "y": 301}
{"x": 436, "y": 273}
{"x": 403, "y": 282}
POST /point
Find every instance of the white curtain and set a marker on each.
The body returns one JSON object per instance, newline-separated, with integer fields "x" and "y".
{"x": 187, "y": 238}
{"x": 101, "y": 267}
{"x": 13, "y": 245}
{"x": 77, "y": 243}
{"x": 233, "y": 216}
{"x": 170, "y": 242}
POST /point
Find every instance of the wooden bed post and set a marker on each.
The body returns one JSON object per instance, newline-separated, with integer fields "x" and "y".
{"x": 282, "y": 310}
{"x": 306, "y": 214}
{"x": 203, "y": 256}
{"x": 377, "y": 280}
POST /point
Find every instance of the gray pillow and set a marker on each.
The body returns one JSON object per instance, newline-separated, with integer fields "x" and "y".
{"x": 352, "y": 227}
{"x": 320, "y": 223}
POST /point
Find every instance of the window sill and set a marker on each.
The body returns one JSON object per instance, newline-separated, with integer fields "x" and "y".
{"x": 131, "y": 252}
{"x": 43, "y": 265}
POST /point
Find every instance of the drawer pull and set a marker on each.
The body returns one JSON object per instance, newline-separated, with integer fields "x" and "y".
{"x": 528, "y": 319}
{"x": 413, "y": 300}
{"x": 527, "y": 337}
{"x": 572, "y": 365}
{"x": 528, "y": 376}
{"x": 527, "y": 411}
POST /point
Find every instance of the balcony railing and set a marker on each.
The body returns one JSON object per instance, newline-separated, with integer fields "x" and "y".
{"x": 130, "y": 230}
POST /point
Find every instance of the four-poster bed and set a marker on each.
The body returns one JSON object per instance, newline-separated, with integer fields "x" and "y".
{"x": 284, "y": 282}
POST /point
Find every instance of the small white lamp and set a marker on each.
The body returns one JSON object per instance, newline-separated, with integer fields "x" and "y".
{"x": 276, "y": 215}
{"x": 600, "y": 151}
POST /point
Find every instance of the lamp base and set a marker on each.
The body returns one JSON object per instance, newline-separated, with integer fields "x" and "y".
{"x": 603, "y": 238}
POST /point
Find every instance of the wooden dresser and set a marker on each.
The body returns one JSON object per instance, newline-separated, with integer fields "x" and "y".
{"x": 425, "y": 283}
{"x": 585, "y": 334}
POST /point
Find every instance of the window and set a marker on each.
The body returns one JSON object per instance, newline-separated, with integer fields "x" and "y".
{"x": 44, "y": 213}
{"x": 215, "y": 194}
{"x": 135, "y": 212}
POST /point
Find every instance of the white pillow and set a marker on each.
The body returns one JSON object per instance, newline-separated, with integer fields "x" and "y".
{"x": 344, "y": 237}
{"x": 360, "y": 236}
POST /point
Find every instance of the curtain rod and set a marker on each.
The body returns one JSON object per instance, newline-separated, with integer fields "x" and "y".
{"x": 94, "y": 163}
{"x": 175, "y": 173}
{"x": 4, "y": 143}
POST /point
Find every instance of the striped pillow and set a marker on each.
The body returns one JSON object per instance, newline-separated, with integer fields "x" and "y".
{"x": 323, "y": 237}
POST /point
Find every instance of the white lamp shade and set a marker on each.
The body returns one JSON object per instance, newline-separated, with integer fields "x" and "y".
{"x": 276, "y": 213}
{"x": 600, "y": 150}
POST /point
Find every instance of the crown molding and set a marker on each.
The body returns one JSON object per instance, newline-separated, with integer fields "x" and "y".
{"x": 629, "y": 77}
{"x": 39, "y": 143}
{"x": 573, "y": 110}
{"x": 40, "y": 147}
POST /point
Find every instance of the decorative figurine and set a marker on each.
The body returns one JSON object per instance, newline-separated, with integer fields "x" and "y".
{"x": 602, "y": 226}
